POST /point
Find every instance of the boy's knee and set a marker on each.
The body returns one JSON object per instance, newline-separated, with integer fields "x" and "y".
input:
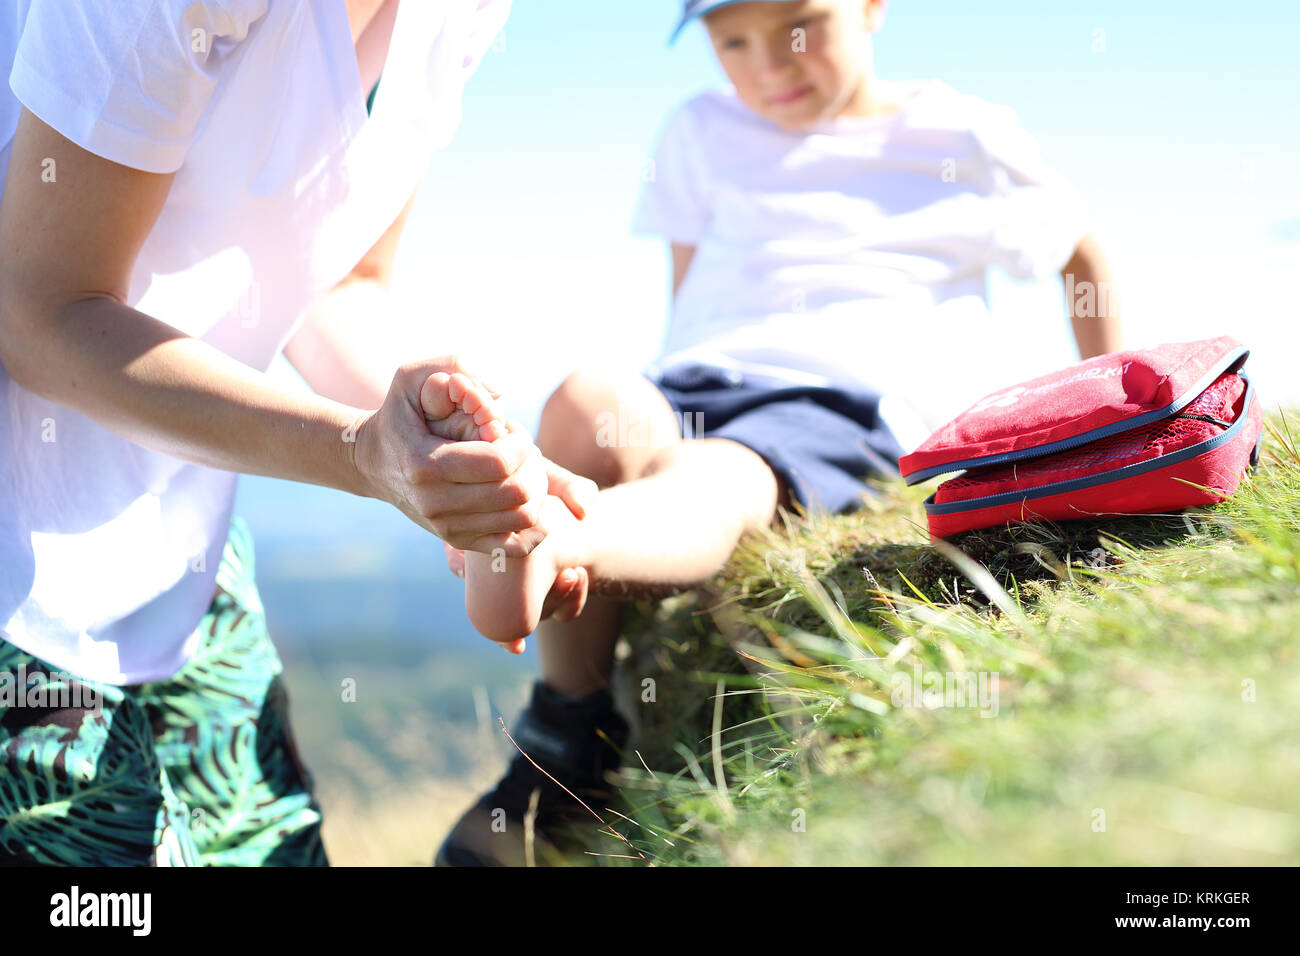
{"x": 605, "y": 427}
{"x": 582, "y": 394}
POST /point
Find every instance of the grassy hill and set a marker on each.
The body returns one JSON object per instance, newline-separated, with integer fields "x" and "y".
{"x": 1113, "y": 692}
{"x": 1118, "y": 692}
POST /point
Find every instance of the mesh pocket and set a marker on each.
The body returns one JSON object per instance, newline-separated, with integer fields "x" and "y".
{"x": 1208, "y": 415}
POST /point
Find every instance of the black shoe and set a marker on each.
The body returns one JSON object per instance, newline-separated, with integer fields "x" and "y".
{"x": 563, "y": 734}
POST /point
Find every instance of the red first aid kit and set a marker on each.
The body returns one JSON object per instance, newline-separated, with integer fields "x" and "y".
{"x": 1125, "y": 433}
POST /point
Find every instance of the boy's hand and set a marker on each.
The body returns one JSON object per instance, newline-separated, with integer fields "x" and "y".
{"x": 577, "y": 492}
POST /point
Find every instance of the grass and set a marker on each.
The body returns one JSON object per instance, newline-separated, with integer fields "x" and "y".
{"x": 1139, "y": 682}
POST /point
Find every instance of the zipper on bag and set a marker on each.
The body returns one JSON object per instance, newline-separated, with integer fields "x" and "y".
{"x": 1118, "y": 474}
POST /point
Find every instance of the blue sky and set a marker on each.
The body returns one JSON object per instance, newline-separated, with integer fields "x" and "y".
{"x": 1176, "y": 121}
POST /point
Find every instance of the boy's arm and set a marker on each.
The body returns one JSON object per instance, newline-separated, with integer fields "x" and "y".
{"x": 682, "y": 256}
{"x": 1091, "y": 299}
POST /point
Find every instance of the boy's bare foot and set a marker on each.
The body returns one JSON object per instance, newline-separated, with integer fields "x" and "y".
{"x": 504, "y": 596}
{"x": 459, "y": 409}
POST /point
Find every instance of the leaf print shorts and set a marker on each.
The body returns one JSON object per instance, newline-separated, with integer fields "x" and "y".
{"x": 196, "y": 770}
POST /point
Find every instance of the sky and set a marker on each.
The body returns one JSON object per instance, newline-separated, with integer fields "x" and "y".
{"x": 1176, "y": 121}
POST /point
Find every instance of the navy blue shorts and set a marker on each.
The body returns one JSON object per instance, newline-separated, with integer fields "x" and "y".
{"x": 823, "y": 442}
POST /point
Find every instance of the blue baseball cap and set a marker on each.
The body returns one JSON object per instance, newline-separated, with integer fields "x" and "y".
{"x": 694, "y": 9}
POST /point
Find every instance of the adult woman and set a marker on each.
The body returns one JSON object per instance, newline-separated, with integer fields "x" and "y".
{"x": 192, "y": 188}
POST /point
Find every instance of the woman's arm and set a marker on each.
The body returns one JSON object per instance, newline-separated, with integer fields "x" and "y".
{"x": 1092, "y": 300}
{"x": 681, "y": 260}
{"x": 327, "y": 350}
{"x": 67, "y": 250}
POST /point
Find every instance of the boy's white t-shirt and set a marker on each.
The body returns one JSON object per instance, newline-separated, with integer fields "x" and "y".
{"x": 108, "y": 551}
{"x": 857, "y": 253}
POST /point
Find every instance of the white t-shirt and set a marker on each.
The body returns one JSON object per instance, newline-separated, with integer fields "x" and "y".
{"x": 108, "y": 551}
{"x": 856, "y": 253}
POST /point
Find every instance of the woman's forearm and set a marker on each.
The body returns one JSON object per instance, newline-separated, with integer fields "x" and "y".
{"x": 1097, "y": 335}
{"x": 178, "y": 395}
{"x": 344, "y": 348}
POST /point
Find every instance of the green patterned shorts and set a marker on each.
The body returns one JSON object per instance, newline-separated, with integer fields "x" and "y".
{"x": 196, "y": 770}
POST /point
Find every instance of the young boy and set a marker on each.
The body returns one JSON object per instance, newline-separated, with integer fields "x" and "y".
{"x": 830, "y": 235}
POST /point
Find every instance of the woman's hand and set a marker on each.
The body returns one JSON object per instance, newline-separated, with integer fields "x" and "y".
{"x": 475, "y": 495}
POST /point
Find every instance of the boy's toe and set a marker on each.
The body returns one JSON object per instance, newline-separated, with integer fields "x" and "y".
{"x": 435, "y": 396}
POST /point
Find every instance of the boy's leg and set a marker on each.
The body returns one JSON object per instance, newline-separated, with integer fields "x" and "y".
{"x": 669, "y": 512}
{"x": 671, "y": 530}
{"x": 677, "y": 526}
{"x": 577, "y": 657}
{"x": 668, "y": 529}
{"x": 571, "y": 714}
